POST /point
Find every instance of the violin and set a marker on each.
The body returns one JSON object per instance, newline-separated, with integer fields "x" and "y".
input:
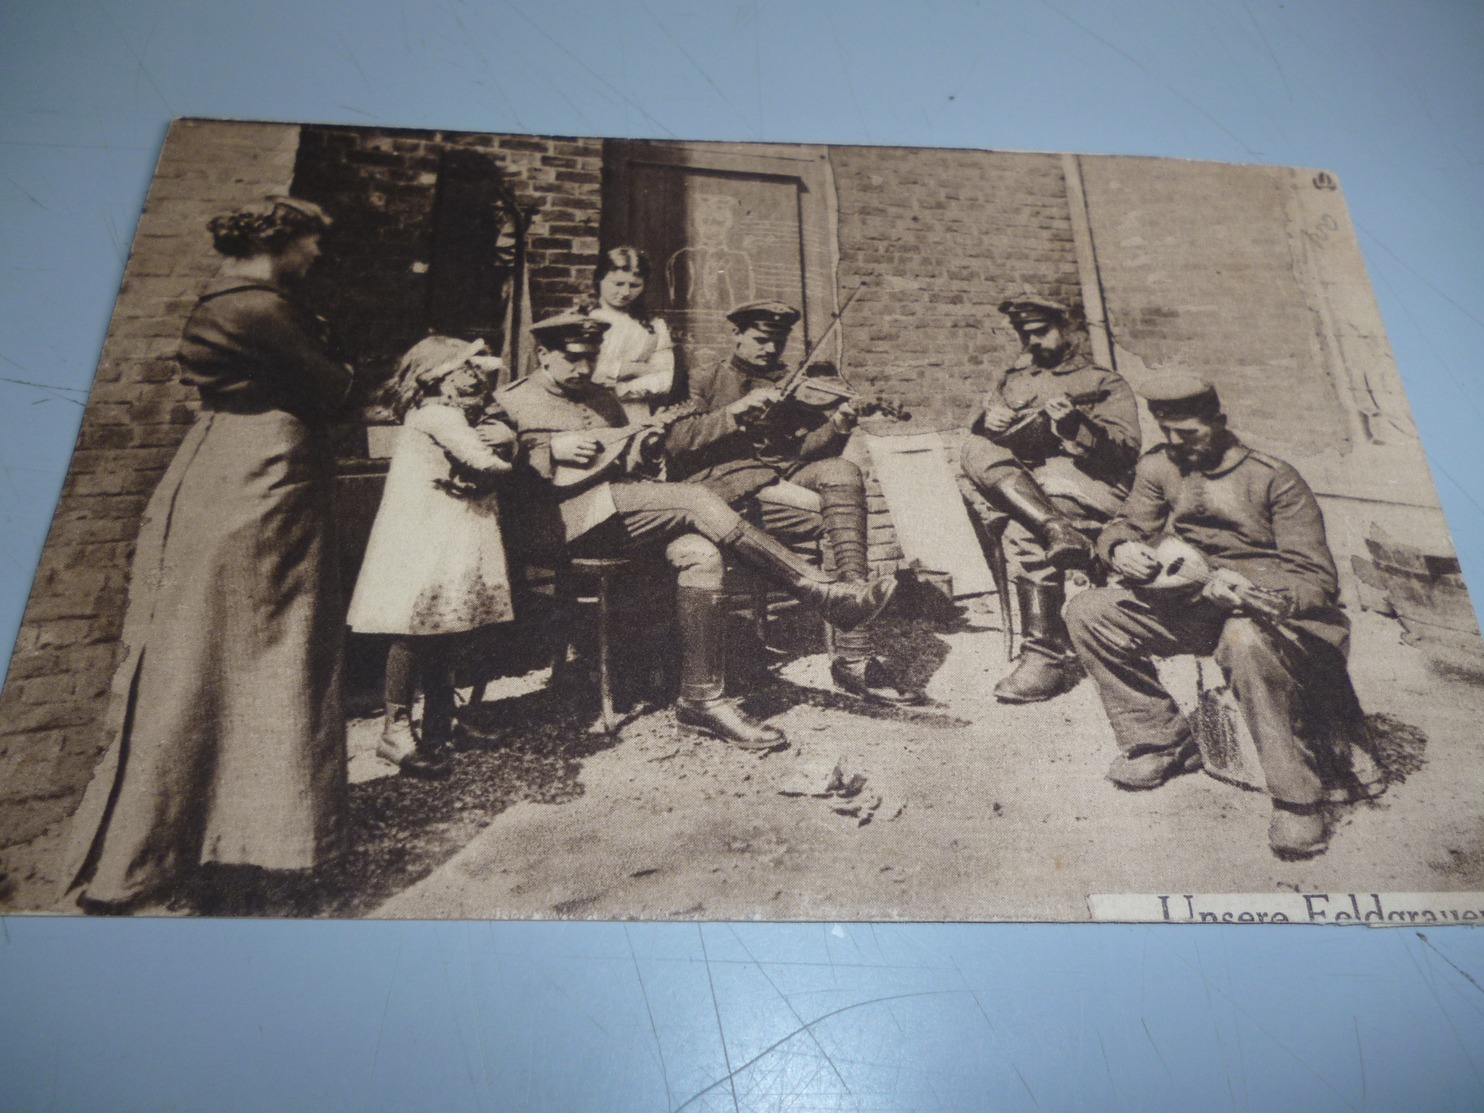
{"x": 806, "y": 384}
{"x": 821, "y": 388}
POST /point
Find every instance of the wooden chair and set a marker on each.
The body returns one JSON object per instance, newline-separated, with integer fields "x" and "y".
{"x": 591, "y": 582}
{"x": 990, "y": 525}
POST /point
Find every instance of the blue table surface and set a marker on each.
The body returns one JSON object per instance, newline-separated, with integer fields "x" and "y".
{"x": 266, "y": 1014}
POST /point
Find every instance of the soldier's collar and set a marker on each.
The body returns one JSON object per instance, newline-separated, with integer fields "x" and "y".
{"x": 552, "y": 388}
{"x": 1073, "y": 362}
{"x": 225, "y": 284}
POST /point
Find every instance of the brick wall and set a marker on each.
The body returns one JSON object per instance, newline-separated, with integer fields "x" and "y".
{"x": 940, "y": 238}
{"x": 67, "y": 648}
{"x": 1199, "y": 269}
{"x": 381, "y": 187}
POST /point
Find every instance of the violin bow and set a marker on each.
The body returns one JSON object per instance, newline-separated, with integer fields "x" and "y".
{"x": 793, "y": 379}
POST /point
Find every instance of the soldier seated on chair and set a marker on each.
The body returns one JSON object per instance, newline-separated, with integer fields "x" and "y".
{"x": 1054, "y": 441}
{"x": 778, "y": 462}
{"x": 586, "y": 483}
{"x": 1267, "y": 606}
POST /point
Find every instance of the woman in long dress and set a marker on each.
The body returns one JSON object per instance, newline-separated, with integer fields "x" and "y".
{"x": 637, "y": 361}
{"x": 435, "y": 564}
{"x": 228, "y": 743}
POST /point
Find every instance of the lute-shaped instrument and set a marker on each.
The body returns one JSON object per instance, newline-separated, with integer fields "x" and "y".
{"x": 1183, "y": 567}
{"x": 1033, "y": 427}
{"x": 632, "y": 449}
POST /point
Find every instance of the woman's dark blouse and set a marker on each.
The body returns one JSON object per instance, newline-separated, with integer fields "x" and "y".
{"x": 248, "y": 348}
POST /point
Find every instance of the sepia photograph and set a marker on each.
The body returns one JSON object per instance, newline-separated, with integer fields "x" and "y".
{"x": 499, "y": 526}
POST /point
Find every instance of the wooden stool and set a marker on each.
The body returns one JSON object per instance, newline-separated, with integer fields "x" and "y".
{"x": 590, "y": 581}
{"x": 744, "y": 582}
{"x": 1229, "y": 753}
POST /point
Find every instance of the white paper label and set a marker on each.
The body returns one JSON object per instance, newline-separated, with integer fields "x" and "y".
{"x": 1371, "y": 909}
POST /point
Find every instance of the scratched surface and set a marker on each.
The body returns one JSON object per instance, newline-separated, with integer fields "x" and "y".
{"x": 204, "y": 1014}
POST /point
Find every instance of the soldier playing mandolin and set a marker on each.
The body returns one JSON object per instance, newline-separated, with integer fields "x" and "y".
{"x": 1259, "y": 592}
{"x": 1055, "y": 440}
{"x": 581, "y": 494}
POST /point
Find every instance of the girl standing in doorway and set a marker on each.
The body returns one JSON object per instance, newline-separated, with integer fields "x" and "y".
{"x": 637, "y": 361}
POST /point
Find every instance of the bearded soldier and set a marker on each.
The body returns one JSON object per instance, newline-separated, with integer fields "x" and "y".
{"x": 581, "y": 486}
{"x": 1268, "y": 608}
{"x": 1054, "y": 441}
{"x": 778, "y": 462}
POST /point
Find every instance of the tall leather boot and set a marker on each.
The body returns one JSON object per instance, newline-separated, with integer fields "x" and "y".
{"x": 1017, "y": 493}
{"x": 703, "y": 705}
{"x": 1047, "y": 665}
{"x": 845, "y": 605}
{"x": 842, "y": 514}
{"x": 855, "y": 668}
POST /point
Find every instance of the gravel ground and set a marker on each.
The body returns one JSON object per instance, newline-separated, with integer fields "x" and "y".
{"x": 963, "y": 809}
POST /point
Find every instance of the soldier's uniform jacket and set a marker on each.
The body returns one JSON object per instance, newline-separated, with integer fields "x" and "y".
{"x": 1104, "y": 444}
{"x": 710, "y": 448}
{"x": 1250, "y": 513}
{"x": 535, "y": 409}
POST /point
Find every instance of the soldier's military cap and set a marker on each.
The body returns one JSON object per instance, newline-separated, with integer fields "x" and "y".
{"x": 570, "y": 332}
{"x": 1024, "y": 310}
{"x": 1181, "y": 395}
{"x": 767, "y": 315}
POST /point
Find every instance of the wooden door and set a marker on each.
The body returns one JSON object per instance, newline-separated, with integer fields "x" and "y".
{"x": 725, "y": 224}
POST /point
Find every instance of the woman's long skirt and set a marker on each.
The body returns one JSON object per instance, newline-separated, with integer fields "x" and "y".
{"x": 227, "y": 737}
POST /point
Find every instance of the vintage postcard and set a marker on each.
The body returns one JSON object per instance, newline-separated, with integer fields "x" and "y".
{"x": 468, "y": 525}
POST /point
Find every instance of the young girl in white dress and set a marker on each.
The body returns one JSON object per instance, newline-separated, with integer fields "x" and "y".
{"x": 435, "y": 565}
{"x": 637, "y": 360}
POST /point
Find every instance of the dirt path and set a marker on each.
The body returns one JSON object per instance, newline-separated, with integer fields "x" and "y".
{"x": 964, "y": 810}
{"x": 971, "y": 810}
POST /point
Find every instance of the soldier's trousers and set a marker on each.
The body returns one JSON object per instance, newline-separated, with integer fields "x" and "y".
{"x": 821, "y": 508}
{"x": 1073, "y": 493}
{"x": 688, "y": 521}
{"x": 1115, "y": 632}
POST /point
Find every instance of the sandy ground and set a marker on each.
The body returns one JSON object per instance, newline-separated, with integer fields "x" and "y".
{"x": 971, "y": 809}
{"x": 966, "y": 809}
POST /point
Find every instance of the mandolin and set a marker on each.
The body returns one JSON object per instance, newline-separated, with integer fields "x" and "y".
{"x": 1028, "y": 435}
{"x": 633, "y": 449}
{"x": 1184, "y": 567}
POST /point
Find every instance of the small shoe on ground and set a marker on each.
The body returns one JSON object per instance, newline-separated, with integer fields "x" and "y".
{"x": 415, "y": 761}
{"x": 89, "y": 906}
{"x": 1038, "y": 678}
{"x": 1298, "y": 830}
{"x": 722, "y": 719}
{"x": 872, "y": 680}
{"x": 1154, "y": 768}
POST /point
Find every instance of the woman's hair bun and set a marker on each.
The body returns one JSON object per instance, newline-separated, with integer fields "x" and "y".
{"x": 265, "y": 226}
